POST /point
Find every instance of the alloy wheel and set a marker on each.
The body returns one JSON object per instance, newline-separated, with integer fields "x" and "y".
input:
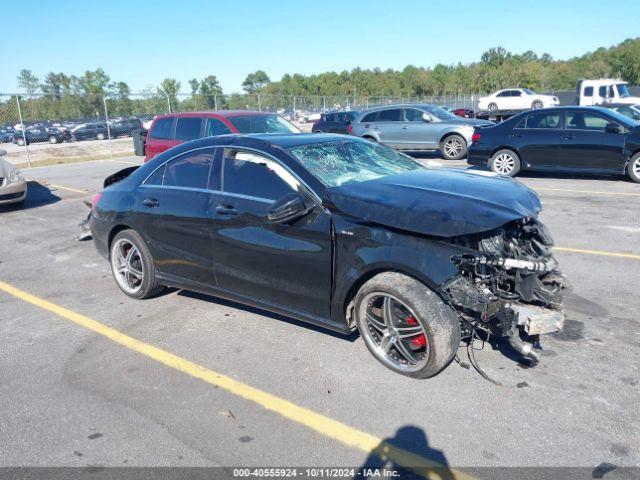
{"x": 126, "y": 263}
{"x": 393, "y": 332}
{"x": 504, "y": 163}
{"x": 636, "y": 167}
{"x": 452, "y": 147}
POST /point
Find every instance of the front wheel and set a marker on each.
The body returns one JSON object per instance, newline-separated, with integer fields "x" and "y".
{"x": 53, "y": 139}
{"x": 505, "y": 162}
{"x": 633, "y": 168}
{"x": 406, "y": 326}
{"x": 537, "y": 104}
{"x": 132, "y": 266}
{"x": 20, "y": 141}
{"x": 100, "y": 136}
{"x": 454, "y": 147}
{"x": 493, "y": 107}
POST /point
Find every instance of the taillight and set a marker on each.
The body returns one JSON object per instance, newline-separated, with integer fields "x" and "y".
{"x": 95, "y": 199}
{"x": 350, "y": 129}
{"x": 475, "y": 137}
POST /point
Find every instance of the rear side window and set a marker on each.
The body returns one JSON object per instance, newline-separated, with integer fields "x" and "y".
{"x": 188, "y": 128}
{"x": 215, "y": 127}
{"x": 162, "y": 128}
{"x": 156, "y": 177}
{"x": 189, "y": 170}
{"x": 392, "y": 115}
{"x": 329, "y": 117}
{"x": 248, "y": 174}
{"x": 370, "y": 117}
{"x": 588, "y": 91}
{"x": 543, "y": 120}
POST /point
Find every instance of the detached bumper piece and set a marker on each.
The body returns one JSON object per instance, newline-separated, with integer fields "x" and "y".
{"x": 538, "y": 321}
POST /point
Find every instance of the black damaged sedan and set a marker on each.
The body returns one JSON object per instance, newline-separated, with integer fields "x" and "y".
{"x": 338, "y": 232}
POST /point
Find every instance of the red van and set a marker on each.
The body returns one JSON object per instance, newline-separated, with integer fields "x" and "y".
{"x": 170, "y": 130}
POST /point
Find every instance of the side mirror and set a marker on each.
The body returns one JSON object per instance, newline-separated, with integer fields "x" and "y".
{"x": 288, "y": 208}
{"x": 426, "y": 117}
{"x": 612, "y": 128}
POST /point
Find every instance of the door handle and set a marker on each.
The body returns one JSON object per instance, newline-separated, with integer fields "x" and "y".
{"x": 404, "y": 127}
{"x": 568, "y": 137}
{"x": 151, "y": 202}
{"x": 226, "y": 210}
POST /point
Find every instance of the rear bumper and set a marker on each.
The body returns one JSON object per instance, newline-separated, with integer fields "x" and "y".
{"x": 477, "y": 158}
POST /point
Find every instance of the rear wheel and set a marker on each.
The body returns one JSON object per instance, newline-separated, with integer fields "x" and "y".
{"x": 132, "y": 266}
{"x": 493, "y": 107}
{"x": 100, "y": 136}
{"x": 20, "y": 141}
{"x": 633, "y": 168}
{"x": 407, "y": 327}
{"x": 53, "y": 139}
{"x": 453, "y": 147}
{"x": 505, "y": 162}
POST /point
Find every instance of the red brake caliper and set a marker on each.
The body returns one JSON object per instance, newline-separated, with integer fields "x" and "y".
{"x": 419, "y": 341}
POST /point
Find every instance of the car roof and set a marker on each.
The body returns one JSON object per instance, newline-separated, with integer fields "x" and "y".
{"x": 289, "y": 140}
{"x": 216, "y": 113}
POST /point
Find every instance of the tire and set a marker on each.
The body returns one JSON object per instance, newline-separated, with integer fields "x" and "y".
{"x": 493, "y": 107}
{"x": 505, "y": 162}
{"x": 100, "y": 136}
{"x": 317, "y": 131}
{"x": 453, "y": 147}
{"x": 53, "y": 139}
{"x": 416, "y": 310}
{"x": 20, "y": 142}
{"x": 140, "y": 281}
{"x": 633, "y": 168}
{"x": 537, "y": 104}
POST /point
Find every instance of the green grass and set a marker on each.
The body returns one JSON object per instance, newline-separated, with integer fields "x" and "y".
{"x": 87, "y": 158}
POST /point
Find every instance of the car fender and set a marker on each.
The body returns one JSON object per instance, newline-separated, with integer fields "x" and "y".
{"x": 373, "y": 249}
{"x": 466, "y": 133}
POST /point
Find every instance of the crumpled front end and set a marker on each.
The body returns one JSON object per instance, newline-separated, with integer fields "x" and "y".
{"x": 509, "y": 284}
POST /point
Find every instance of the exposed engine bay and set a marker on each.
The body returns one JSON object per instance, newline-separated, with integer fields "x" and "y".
{"x": 509, "y": 285}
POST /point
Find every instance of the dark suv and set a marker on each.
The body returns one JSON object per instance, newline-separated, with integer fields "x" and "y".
{"x": 335, "y": 122}
{"x": 124, "y": 126}
{"x": 95, "y": 130}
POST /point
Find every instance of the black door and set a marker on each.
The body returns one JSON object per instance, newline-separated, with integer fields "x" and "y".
{"x": 538, "y": 137}
{"x": 588, "y": 146}
{"x": 175, "y": 206}
{"x": 283, "y": 264}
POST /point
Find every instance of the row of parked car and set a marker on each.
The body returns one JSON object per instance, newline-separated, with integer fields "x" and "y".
{"x": 579, "y": 139}
{"x": 58, "y": 133}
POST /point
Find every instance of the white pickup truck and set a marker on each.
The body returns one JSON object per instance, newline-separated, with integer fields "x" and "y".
{"x": 598, "y": 92}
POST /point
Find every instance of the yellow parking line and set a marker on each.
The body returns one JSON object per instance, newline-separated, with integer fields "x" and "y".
{"x": 604, "y": 253}
{"x": 61, "y": 187}
{"x": 326, "y": 426}
{"x": 594, "y": 192}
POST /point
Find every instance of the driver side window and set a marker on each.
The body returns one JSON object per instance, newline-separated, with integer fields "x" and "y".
{"x": 250, "y": 174}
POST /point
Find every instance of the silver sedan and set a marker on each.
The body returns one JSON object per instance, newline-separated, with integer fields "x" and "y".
{"x": 13, "y": 186}
{"x": 417, "y": 127}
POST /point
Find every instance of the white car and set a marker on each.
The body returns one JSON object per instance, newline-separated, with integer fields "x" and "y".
{"x": 516, "y": 99}
{"x": 13, "y": 186}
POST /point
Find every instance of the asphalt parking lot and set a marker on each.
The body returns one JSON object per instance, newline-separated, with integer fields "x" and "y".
{"x": 235, "y": 386}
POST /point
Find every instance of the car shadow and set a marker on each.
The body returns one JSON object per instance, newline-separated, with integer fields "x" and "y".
{"x": 38, "y": 195}
{"x": 266, "y": 313}
{"x": 411, "y": 439}
{"x": 561, "y": 176}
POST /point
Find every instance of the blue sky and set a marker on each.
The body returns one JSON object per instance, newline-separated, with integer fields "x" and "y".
{"x": 144, "y": 41}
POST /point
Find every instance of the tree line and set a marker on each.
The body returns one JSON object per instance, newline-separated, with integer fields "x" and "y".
{"x": 63, "y": 96}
